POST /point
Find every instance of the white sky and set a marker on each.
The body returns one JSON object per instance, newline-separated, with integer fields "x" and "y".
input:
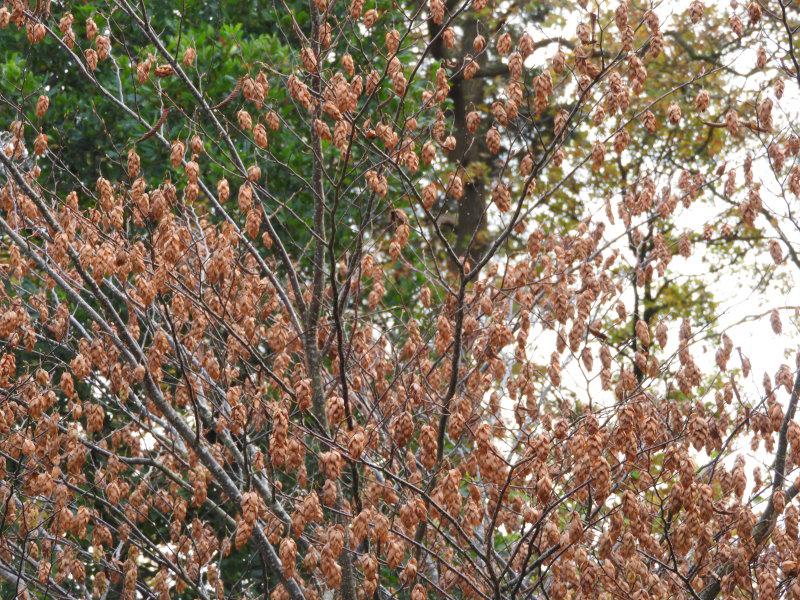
{"x": 738, "y": 293}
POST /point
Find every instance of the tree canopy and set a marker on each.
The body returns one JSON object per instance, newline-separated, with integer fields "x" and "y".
{"x": 372, "y": 300}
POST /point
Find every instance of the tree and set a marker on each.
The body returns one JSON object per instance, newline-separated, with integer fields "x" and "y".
{"x": 309, "y": 301}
